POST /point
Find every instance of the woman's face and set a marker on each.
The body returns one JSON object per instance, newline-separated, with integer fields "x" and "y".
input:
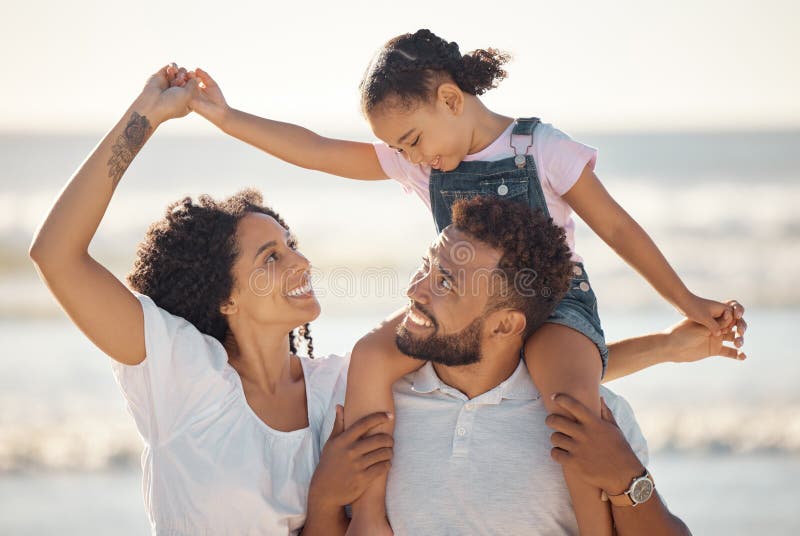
{"x": 272, "y": 279}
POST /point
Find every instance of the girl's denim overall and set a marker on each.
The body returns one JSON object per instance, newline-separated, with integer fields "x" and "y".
{"x": 516, "y": 179}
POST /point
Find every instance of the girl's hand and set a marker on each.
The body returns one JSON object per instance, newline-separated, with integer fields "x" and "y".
{"x": 350, "y": 461}
{"x": 689, "y": 341}
{"x": 209, "y": 101}
{"x": 162, "y": 100}
{"x": 706, "y": 312}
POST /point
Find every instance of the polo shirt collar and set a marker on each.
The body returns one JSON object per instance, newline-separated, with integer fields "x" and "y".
{"x": 518, "y": 386}
{"x": 426, "y": 380}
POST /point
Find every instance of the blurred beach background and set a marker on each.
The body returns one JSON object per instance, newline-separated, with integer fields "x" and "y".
{"x": 692, "y": 105}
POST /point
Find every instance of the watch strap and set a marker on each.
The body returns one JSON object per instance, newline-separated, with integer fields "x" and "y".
{"x": 624, "y": 498}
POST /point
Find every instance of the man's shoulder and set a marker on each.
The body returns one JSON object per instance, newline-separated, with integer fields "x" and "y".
{"x": 616, "y": 403}
{"x": 626, "y": 420}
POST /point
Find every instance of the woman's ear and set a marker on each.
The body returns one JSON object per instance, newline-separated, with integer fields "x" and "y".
{"x": 229, "y": 307}
{"x": 451, "y": 96}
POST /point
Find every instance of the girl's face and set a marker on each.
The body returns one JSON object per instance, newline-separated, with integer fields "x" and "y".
{"x": 435, "y": 134}
{"x": 272, "y": 279}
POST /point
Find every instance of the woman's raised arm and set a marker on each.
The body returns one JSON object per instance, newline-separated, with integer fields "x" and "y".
{"x": 684, "y": 342}
{"x": 99, "y": 304}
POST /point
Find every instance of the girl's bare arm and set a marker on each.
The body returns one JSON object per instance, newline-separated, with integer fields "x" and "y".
{"x": 592, "y": 202}
{"x": 291, "y": 143}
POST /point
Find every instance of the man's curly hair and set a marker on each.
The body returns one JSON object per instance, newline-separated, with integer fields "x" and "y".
{"x": 535, "y": 265}
{"x": 185, "y": 262}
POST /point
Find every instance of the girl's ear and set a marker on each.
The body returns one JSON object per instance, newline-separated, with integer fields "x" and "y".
{"x": 451, "y": 96}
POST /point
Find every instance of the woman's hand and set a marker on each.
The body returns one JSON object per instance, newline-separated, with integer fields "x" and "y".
{"x": 350, "y": 461}
{"x": 167, "y": 95}
{"x": 689, "y": 341}
{"x": 592, "y": 446}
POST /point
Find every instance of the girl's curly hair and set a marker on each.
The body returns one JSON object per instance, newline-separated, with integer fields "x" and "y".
{"x": 185, "y": 262}
{"x": 536, "y": 266}
{"x": 410, "y": 67}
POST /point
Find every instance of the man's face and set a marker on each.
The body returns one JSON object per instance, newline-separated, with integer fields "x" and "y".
{"x": 449, "y": 294}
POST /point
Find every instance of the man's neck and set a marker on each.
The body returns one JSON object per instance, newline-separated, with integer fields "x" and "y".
{"x": 496, "y": 366}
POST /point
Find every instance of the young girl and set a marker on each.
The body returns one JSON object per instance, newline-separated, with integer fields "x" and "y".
{"x": 420, "y": 96}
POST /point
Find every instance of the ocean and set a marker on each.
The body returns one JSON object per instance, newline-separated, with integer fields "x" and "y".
{"x": 724, "y": 435}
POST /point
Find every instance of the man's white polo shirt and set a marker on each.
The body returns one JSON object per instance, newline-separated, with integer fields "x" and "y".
{"x": 481, "y": 466}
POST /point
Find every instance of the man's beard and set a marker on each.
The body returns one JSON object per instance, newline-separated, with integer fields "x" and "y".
{"x": 456, "y": 349}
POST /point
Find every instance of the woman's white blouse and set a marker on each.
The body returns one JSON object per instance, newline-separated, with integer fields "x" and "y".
{"x": 210, "y": 465}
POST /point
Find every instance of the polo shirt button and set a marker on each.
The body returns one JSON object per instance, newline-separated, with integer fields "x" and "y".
{"x": 502, "y": 189}
{"x": 461, "y": 431}
{"x": 469, "y": 407}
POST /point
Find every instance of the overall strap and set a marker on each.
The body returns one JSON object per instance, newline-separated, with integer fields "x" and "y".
{"x": 524, "y": 126}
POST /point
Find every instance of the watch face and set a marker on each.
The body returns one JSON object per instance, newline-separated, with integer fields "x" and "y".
{"x": 642, "y": 489}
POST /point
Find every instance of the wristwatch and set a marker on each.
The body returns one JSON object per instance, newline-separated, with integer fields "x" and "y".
{"x": 642, "y": 488}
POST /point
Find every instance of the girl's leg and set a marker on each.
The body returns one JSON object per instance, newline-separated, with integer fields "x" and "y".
{"x": 375, "y": 364}
{"x": 563, "y": 360}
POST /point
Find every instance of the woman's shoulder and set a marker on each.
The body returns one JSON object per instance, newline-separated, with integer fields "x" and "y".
{"x": 326, "y": 384}
{"x": 172, "y": 334}
{"x": 326, "y": 369}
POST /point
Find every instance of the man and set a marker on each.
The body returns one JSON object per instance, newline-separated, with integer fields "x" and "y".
{"x": 472, "y": 451}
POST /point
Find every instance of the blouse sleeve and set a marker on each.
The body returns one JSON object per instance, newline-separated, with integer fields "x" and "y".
{"x": 180, "y": 379}
{"x": 336, "y": 386}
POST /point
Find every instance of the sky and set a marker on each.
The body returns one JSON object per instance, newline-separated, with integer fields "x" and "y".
{"x": 601, "y": 65}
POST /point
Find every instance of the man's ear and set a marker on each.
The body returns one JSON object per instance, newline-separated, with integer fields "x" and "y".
{"x": 508, "y": 323}
{"x": 451, "y": 97}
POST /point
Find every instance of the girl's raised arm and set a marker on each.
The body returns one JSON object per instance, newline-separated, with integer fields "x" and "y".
{"x": 291, "y": 143}
{"x": 99, "y": 304}
{"x": 592, "y": 202}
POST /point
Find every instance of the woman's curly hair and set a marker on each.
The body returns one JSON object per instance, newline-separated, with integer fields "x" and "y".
{"x": 185, "y": 262}
{"x": 410, "y": 67}
{"x": 535, "y": 266}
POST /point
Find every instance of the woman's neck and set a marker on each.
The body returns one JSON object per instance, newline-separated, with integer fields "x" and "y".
{"x": 261, "y": 357}
{"x": 487, "y": 125}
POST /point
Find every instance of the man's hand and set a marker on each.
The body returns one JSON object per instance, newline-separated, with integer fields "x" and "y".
{"x": 350, "y": 461}
{"x": 594, "y": 447}
{"x": 688, "y": 341}
{"x": 160, "y": 100}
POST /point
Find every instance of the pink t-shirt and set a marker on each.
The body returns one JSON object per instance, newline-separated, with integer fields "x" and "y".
{"x": 559, "y": 162}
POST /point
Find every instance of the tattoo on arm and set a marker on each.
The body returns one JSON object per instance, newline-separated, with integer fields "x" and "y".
{"x": 127, "y": 146}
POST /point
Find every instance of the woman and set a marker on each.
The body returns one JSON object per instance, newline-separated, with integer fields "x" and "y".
{"x": 231, "y": 417}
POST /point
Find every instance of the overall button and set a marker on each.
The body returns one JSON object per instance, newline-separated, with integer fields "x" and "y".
{"x": 577, "y": 270}
{"x": 584, "y": 286}
{"x": 461, "y": 431}
{"x": 502, "y": 189}
{"x": 519, "y": 160}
